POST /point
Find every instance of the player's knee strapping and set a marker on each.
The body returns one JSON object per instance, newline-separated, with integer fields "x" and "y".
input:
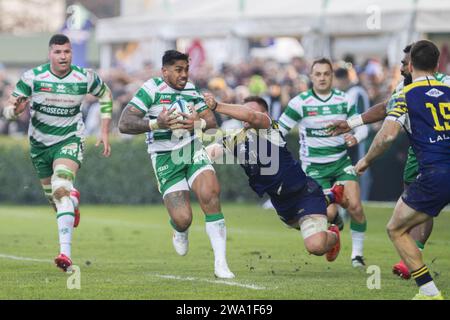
{"x": 62, "y": 182}
{"x": 312, "y": 225}
{"x": 48, "y": 193}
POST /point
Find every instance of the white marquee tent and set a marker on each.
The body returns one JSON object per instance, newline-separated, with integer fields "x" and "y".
{"x": 389, "y": 24}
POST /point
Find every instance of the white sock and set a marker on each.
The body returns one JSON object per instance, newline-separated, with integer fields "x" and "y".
{"x": 429, "y": 289}
{"x": 65, "y": 219}
{"x": 357, "y": 243}
{"x": 217, "y": 233}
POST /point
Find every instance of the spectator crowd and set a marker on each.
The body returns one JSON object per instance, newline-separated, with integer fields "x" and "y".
{"x": 277, "y": 83}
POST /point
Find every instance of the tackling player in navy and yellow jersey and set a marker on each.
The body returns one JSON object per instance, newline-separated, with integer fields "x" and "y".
{"x": 261, "y": 151}
{"x": 423, "y": 109}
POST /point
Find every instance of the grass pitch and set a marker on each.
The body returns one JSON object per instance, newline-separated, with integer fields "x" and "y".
{"x": 125, "y": 252}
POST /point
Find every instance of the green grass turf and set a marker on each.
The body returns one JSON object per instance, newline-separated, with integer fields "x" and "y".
{"x": 125, "y": 252}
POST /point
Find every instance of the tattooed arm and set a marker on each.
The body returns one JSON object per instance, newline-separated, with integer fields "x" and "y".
{"x": 132, "y": 121}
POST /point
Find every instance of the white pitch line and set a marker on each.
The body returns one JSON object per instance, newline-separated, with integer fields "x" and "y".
{"x": 5, "y": 256}
{"x": 228, "y": 283}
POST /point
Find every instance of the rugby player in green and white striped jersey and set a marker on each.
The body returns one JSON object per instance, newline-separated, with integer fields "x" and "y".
{"x": 55, "y": 92}
{"x": 324, "y": 157}
{"x": 180, "y": 162}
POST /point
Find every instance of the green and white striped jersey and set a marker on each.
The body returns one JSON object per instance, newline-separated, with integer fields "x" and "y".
{"x": 442, "y": 78}
{"x": 152, "y": 97}
{"x": 438, "y": 76}
{"x": 313, "y": 114}
{"x": 56, "y": 102}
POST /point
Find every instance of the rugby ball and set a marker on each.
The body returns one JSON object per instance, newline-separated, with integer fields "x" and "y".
{"x": 181, "y": 105}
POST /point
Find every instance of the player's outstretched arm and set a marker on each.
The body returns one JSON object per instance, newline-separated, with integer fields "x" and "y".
{"x": 256, "y": 120}
{"x": 383, "y": 140}
{"x": 16, "y": 105}
{"x": 360, "y": 134}
{"x": 132, "y": 121}
{"x": 106, "y": 106}
{"x": 372, "y": 115}
{"x": 104, "y": 136}
{"x": 375, "y": 114}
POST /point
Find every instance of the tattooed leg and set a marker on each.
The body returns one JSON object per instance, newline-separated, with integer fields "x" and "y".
{"x": 179, "y": 208}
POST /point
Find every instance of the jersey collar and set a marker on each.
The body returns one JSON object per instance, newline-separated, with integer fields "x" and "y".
{"x": 319, "y": 98}
{"x": 70, "y": 71}
{"x": 424, "y": 78}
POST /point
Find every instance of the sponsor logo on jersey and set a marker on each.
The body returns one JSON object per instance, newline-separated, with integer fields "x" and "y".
{"x": 320, "y": 132}
{"x": 163, "y": 168}
{"x": 165, "y": 98}
{"x": 439, "y": 138}
{"x": 434, "y": 93}
{"x": 61, "y": 88}
{"x": 45, "y": 87}
{"x": 326, "y": 110}
{"x": 312, "y": 173}
{"x": 58, "y": 111}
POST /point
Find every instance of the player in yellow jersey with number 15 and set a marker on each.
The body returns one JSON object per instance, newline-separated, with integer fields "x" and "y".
{"x": 423, "y": 109}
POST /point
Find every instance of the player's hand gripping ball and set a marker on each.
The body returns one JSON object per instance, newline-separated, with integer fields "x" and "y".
{"x": 180, "y": 106}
